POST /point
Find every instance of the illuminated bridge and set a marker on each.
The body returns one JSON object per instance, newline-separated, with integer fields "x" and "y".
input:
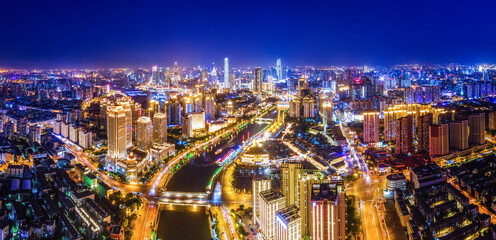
{"x": 264, "y": 120}
{"x": 188, "y": 195}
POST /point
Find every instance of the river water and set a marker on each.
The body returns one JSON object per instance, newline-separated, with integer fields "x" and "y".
{"x": 190, "y": 223}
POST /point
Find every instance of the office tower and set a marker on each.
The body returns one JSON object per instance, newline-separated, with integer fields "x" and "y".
{"x": 459, "y": 135}
{"x": 477, "y": 128}
{"x": 438, "y": 140}
{"x": 226, "y": 73}
{"x": 492, "y": 120}
{"x": 371, "y": 127}
{"x": 423, "y": 132}
{"x": 270, "y": 202}
{"x": 257, "y": 80}
{"x": 259, "y": 185}
{"x": 126, "y": 106}
{"x": 279, "y": 69}
{"x": 116, "y": 132}
{"x": 290, "y": 174}
{"x": 144, "y": 133}
{"x": 288, "y": 224}
{"x": 327, "y": 211}
{"x": 404, "y": 135}
{"x": 307, "y": 180}
{"x": 35, "y": 134}
{"x": 160, "y": 128}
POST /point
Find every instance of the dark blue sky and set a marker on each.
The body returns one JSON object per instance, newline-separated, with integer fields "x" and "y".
{"x": 127, "y": 33}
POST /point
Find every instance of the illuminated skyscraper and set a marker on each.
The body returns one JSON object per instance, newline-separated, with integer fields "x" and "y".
{"x": 371, "y": 127}
{"x": 423, "y": 132}
{"x": 327, "y": 211}
{"x": 259, "y": 185}
{"x": 290, "y": 174}
{"x": 459, "y": 135}
{"x": 288, "y": 224}
{"x": 279, "y": 69}
{"x": 257, "y": 80}
{"x": 116, "y": 132}
{"x": 160, "y": 128}
{"x": 270, "y": 202}
{"x": 438, "y": 140}
{"x": 144, "y": 133}
{"x": 492, "y": 120}
{"x": 226, "y": 73}
{"x": 477, "y": 128}
{"x": 126, "y": 106}
{"x": 404, "y": 135}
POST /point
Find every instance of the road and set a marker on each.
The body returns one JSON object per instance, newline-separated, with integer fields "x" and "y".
{"x": 368, "y": 190}
{"x": 368, "y": 195}
{"x": 149, "y": 191}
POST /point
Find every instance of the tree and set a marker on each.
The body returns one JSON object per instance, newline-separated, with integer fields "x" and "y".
{"x": 124, "y": 222}
{"x": 241, "y": 207}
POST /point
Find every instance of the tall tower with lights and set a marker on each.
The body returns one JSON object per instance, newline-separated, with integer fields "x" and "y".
{"x": 226, "y": 73}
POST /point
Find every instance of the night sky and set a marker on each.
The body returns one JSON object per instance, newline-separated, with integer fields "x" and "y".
{"x": 108, "y": 33}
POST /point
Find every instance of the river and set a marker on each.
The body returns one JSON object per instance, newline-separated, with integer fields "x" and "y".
{"x": 186, "y": 222}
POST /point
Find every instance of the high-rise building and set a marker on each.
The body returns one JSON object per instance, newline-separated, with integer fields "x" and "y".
{"x": 477, "y": 128}
{"x": 270, "y": 202}
{"x": 257, "y": 80}
{"x": 258, "y": 185}
{"x": 116, "y": 132}
{"x": 191, "y": 122}
{"x": 438, "y": 140}
{"x": 144, "y": 133}
{"x": 404, "y": 135}
{"x": 459, "y": 135}
{"x": 35, "y": 134}
{"x": 371, "y": 127}
{"x": 307, "y": 180}
{"x": 308, "y": 107}
{"x": 295, "y": 108}
{"x": 288, "y": 224}
{"x": 126, "y": 106}
{"x": 328, "y": 211}
{"x": 423, "y": 132}
{"x": 492, "y": 120}
{"x": 226, "y": 73}
{"x": 279, "y": 69}
{"x": 408, "y": 95}
{"x": 160, "y": 128}
{"x": 290, "y": 174}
